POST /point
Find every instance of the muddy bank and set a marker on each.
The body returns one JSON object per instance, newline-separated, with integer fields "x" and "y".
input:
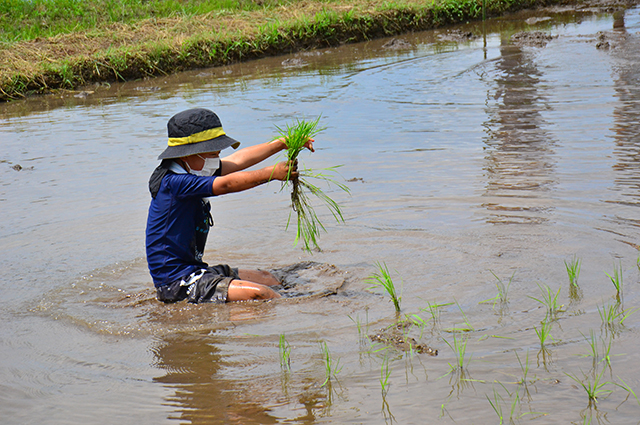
{"x": 162, "y": 47}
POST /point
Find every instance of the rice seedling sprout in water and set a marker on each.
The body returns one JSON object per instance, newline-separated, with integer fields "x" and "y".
{"x": 573, "y": 270}
{"x": 285, "y": 353}
{"x": 382, "y": 279}
{"x": 503, "y": 291}
{"x": 296, "y": 137}
{"x": 363, "y": 329}
{"x": 544, "y": 332}
{"x": 434, "y": 310}
{"x": 616, "y": 279}
{"x": 593, "y": 386}
{"x": 550, "y": 301}
{"x": 599, "y": 353}
{"x": 332, "y": 368}
{"x": 467, "y": 328}
{"x": 613, "y": 316}
{"x": 628, "y": 389}
{"x": 385, "y": 373}
{"x": 459, "y": 348}
{"x": 496, "y": 404}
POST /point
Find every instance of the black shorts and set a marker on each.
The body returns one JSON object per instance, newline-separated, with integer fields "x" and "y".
{"x": 211, "y": 287}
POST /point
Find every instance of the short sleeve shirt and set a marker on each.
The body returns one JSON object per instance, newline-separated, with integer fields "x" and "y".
{"x": 177, "y": 227}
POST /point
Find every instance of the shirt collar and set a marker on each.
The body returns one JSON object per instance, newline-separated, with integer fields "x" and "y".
{"x": 177, "y": 168}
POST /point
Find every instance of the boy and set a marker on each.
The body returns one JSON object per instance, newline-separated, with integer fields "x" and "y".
{"x": 179, "y": 215}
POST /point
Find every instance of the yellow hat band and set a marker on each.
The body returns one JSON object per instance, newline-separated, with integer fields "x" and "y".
{"x": 212, "y": 133}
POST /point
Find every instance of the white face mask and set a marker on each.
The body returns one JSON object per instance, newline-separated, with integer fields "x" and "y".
{"x": 209, "y": 168}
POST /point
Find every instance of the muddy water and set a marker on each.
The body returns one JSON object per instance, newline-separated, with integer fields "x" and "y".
{"x": 471, "y": 161}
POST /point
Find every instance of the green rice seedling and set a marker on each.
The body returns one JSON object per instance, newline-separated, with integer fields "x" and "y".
{"x": 331, "y": 368}
{"x": 628, "y": 389}
{"x": 434, "y": 311}
{"x": 459, "y": 348}
{"x": 467, "y": 328}
{"x": 613, "y": 316}
{"x": 544, "y": 332}
{"x": 550, "y": 301}
{"x": 382, "y": 279}
{"x": 408, "y": 324}
{"x": 385, "y": 373}
{"x": 502, "y": 297}
{"x": 593, "y": 387}
{"x": 573, "y": 270}
{"x": 496, "y": 404}
{"x": 363, "y": 329}
{"x": 285, "y": 353}
{"x": 593, "y": 344}
{"x": 616, "y": 279}
{"x": 599, "y": 353}
{"x": 308, "y": 222}
{"x": 417, "y": 322}
{"x": 525, "y": 380}
{"x": 606, "y": 351}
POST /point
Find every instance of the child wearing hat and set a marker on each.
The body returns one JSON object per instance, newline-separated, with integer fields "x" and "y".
{"x": 179, "y": 215}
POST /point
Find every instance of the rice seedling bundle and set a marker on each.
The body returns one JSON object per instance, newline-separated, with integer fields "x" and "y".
{"x": 308, "y": 224}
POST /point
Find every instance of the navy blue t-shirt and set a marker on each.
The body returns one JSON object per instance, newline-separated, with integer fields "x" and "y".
{"x": 177, "y": 227}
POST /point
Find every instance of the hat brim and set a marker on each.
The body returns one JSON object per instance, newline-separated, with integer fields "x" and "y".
{"x": 212, "y": 145}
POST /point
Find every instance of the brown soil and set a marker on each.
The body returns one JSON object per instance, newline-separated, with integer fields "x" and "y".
{"x": 394, "y": 338}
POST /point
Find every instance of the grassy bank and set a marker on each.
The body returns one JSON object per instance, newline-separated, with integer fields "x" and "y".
{"x": 64, "y": 44}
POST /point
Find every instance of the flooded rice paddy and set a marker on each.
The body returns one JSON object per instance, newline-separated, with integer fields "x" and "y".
{"x": 480, "y": 164}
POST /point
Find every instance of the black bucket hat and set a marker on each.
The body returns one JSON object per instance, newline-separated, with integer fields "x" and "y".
{"x": 196, "y": 131}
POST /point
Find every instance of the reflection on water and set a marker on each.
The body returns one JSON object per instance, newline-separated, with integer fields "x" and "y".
{"x": 627, "y": 118}
{"x": 191, "y": 363}
{"x": 520, "y": 160}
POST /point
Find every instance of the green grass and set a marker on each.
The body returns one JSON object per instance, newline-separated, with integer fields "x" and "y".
{"x": 27, "y": 20}
{"x": 382, "y": 279}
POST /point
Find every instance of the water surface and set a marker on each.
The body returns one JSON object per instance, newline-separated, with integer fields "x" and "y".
{"x": 469, "y": 163}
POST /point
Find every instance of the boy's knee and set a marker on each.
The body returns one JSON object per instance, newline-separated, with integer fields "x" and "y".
{"x": 266, "y": 293}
